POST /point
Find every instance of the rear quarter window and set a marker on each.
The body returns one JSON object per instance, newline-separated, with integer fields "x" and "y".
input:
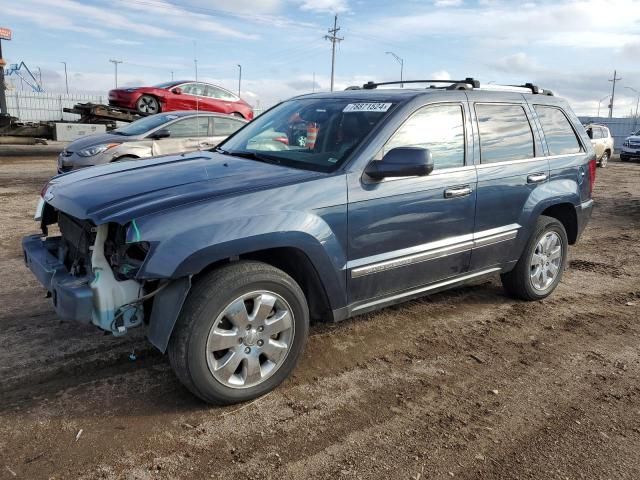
{"x": 558, "y": 132}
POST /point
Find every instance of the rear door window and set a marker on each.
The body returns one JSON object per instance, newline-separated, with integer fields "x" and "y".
{"x": 560, "y": 136}
{"x": 189, "y": 127}
{"x": 440, "y": 128}
{"x": 225, "y": 126}
{"x": 505, "y": 133}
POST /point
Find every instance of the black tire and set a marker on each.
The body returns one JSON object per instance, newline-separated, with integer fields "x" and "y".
{"x": 206, "y": 301}
{"x": 518, "y": 282}
{"x": 148, "y": 105}
{"x": 623, "y": 158}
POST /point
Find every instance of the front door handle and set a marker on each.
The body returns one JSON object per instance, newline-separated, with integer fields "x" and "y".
{"x": 537, "y": 178}
{"x": 456, "y": 192}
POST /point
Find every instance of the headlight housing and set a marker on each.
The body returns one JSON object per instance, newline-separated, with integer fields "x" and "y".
{"x": 626, "y": 143}
{"x": 130, "y": 90}
{"x": 96, "y": 149}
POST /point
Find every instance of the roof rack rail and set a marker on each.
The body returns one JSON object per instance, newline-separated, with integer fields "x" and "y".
{"x": 467, "y": 83}
{"x": 534, "y": 89}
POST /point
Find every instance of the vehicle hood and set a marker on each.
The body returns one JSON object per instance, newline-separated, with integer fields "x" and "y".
{"x": 122, "y": 191}
{"x": 633, "y": 138}
{"x": 97, "y": 139}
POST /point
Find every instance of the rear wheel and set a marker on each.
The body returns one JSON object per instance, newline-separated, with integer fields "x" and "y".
{"x": 539, "y": 269}
{"x": 148, "y": 105}
{"x": 604, "y": 159}
{"x": 240, "y": 333}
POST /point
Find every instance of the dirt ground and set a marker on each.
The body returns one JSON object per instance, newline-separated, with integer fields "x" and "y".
{"x": 466, "y": 384}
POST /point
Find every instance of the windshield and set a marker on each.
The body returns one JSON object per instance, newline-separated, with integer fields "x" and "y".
{"x": 637, "y": 134}
{"x": 144, "y": 125}
{"x": 312, "y": 134}
{"x": 165, "y": 84}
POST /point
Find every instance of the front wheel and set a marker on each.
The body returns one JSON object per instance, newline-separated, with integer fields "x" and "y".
{"x": 148, "y": 105}
{"x": 240, "y": 334}
{"x": 539, "y": 269}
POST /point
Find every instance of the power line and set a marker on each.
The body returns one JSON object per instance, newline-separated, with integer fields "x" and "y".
{"x": 613, "y": 92}
{"x": 333, "y": 38}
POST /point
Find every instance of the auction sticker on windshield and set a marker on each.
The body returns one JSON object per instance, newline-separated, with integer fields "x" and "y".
{"x": 367, "y": 107}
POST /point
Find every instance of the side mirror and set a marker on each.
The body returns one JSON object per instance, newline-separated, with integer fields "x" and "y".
{"x": 402, "y": 162}
{"x": 177, "y": 91}
{"x": 159, "y": 134}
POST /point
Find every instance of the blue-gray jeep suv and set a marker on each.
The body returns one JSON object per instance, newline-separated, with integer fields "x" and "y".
{"x": 326, "y": 206}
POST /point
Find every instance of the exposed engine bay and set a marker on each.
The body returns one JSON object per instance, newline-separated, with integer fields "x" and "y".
{"x": 100, "y": 257}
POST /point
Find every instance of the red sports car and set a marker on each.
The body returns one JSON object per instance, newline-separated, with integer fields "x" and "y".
{"x": 180, "y": 95}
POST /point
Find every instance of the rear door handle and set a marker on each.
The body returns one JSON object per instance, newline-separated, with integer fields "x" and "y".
{"x": 537, "y": 178}
{"x": 456, "y": 192}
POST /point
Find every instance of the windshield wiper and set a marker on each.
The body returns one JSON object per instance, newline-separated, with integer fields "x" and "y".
{"x": 252, "y": 156}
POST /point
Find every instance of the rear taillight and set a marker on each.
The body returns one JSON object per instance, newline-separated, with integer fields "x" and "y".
{"x": 44, "y": 189}
{"x": 592, "y": 174}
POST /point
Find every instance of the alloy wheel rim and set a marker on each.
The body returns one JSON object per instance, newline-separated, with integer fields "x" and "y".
{"x": 604, "y": 159}
{"x": 250, "y": 340}
{"x": 546, "y": 261}
{"x": 148, "y": 105}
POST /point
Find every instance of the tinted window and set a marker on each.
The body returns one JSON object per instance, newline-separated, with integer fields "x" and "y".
{"x": 220, "y": 94}
{"x": 505, "y": 133}
{"x": 440, "y": 128}
{"x": 193, "y": 89}
{"x": 190, "y": 127}
{"x": 225, "y": 126}
{"x": 560, "y": 137}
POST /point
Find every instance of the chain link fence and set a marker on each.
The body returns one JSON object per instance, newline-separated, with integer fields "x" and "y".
{"x": 42, "y": 107}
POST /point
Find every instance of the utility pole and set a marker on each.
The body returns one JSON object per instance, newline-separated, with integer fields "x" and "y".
{"x": 401, "y": 62}
{"x": 3, "y": 99}
{"x": 115, "y": 64}
{"x": 333, "y": 38}
{"x": 613, "y": 92}
{"x": 66, "y": 79}
{"x": 239, "y": 78}
{"x": 313, "y": 85}
{"x": 172, "y": 75}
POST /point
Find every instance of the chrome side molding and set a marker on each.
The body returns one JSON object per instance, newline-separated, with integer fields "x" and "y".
{"x": 433, "y": 250}
{"x": 428, "y": 288}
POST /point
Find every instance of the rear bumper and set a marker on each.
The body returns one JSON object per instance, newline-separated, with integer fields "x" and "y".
{"x": 583, "y": 214}
{"x": 71, "y": 295}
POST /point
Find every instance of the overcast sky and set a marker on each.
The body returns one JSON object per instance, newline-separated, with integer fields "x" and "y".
{"x": 568, "y": 46}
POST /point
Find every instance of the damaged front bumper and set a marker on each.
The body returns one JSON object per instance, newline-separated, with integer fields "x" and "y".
{"x": 71, "y": 295}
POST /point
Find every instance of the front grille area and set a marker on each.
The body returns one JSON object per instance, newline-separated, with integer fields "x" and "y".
{"x": 77, "y": 237}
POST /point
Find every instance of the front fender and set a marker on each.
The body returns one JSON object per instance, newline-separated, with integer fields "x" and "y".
{"x": 186, "y": 242}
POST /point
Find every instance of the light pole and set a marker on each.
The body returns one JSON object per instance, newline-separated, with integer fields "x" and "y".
{"x": 66, "y": 80}
{"x": 401, "y": 62}
{"x": 599, "y": 102}
{"x": 637, "y": 100}
{"x": 239, "y": 78}
{"x": 115, "y": 64}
